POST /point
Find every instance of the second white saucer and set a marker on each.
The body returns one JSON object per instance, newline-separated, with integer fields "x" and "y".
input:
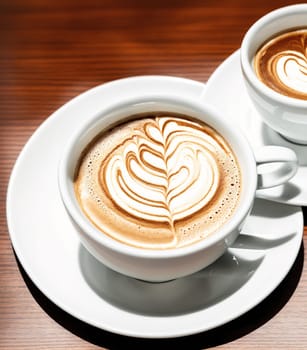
{"x": 226, "y": 91}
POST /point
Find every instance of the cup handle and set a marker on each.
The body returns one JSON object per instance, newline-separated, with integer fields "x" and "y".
{"x": 275, "y": 166}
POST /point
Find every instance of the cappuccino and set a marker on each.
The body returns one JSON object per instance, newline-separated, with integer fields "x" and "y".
{"x": 281, "y": 63}
{"x": 158, "y": 181}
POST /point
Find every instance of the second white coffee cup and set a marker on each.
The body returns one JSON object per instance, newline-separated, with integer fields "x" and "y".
{"x": 284, "y": 114}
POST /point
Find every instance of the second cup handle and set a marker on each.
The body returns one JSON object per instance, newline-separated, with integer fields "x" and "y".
{"x": 275, "y": 166}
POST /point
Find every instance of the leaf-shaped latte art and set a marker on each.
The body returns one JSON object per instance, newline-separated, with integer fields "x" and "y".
{"x": 166, "y": 173}
{"x": 158, "y": 182}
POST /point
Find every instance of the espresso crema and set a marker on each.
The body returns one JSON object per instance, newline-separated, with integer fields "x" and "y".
{"x": 158, "y": 182}
{"x": 281, "y": 64}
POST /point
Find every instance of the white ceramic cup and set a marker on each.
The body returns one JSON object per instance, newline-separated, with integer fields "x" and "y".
{"x": 286, "y": 115}
{"x": 163, "y": 265}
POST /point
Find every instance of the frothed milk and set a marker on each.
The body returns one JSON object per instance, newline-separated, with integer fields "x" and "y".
{"x": 281, "y": 63}
{"x": 158, "y": 181}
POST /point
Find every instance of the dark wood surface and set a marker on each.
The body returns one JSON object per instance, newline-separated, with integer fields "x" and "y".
{"x": 51, "y": 51}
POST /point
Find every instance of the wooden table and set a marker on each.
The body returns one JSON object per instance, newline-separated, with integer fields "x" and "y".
{"x": 52, "y": 51}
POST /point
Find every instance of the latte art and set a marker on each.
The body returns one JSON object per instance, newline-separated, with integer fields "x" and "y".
{"x": 292, "y": 71}
{"x": 164, "y": 174}
{"x": 282, "y": 64}
{"x": 158, "y": 182}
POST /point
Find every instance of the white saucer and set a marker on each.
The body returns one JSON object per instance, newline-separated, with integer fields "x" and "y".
{"x": 226, "y": 91}
{"x": 49, "y": 250}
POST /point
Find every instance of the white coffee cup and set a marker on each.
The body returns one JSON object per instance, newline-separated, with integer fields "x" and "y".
{"x": 286, "y": 115}
{"x": 163, "y": 265}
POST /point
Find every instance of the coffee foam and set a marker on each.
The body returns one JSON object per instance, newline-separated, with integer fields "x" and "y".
{"x": 282, "y": 64}
{"x": 159, "y": 182}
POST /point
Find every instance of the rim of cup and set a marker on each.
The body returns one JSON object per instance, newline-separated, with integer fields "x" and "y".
{"x": 246, "y": 61}
{"x": 66, "y": 170}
